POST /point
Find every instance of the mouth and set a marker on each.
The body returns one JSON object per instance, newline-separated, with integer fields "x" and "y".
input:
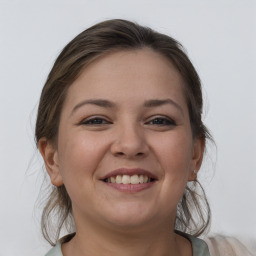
{"x": 130, "y": 180}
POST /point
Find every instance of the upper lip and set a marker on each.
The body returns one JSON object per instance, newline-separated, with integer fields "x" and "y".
{"x": 129, "y": 171}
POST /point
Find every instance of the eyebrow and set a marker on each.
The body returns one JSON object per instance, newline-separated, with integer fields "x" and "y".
{"x": 157, "y": 103}
{"x": 108, "y": 104}
{"x": 97, "y": 102}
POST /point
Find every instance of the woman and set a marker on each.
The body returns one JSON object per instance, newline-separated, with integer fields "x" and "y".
{"x": 119, "y": 128}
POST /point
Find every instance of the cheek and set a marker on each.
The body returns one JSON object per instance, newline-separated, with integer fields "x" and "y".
{"x": 79, "y": 156}
{"x": 174, "y": 155}
{"x": 175, "y": 152}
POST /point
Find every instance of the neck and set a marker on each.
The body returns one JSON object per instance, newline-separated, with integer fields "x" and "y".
{"x": 91, "y": 239}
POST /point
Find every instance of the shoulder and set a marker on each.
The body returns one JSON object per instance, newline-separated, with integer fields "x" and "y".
{"x": 228, "y": 246}
{"x": 200, "y": 247}
{"x": 55, "y": 251}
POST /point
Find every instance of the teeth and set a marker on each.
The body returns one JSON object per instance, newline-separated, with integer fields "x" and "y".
{"x": 135, "y": 179}
{"x": 127, "y": 179}
{"x": 118, "y": 179}
{"x": 145, "y": 179}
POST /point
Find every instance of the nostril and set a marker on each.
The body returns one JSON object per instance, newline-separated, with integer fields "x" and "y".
{"x": 128, "y": 155}
{"x": 120, "y": 153}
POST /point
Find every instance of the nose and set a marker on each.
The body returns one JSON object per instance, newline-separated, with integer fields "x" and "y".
{"x": 130, "y": 142}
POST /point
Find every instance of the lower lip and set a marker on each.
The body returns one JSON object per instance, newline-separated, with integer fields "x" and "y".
{"x": 130, "y": 188}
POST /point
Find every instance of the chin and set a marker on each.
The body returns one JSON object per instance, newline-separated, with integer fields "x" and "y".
{"x": 130, "y": 217}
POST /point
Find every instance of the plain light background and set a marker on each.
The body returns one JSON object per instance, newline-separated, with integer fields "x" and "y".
{"x": 220, "y": 38}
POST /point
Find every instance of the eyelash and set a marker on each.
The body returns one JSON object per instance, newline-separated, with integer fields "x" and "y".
{"x": 165, "y": 121}
{"x": 159, "y": 121}
{"x": 95, "y": 121}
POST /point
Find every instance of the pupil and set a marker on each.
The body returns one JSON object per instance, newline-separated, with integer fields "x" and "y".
{"x": 97, "y": 121}
{"x": 158, "y": 121}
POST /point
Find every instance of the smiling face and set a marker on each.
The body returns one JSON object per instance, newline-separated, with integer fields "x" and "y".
{"x": 125, "y": 148}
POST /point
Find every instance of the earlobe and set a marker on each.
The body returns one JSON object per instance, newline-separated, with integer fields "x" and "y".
{"x": 197, "y": 158}
{"x": 51, "y": 161}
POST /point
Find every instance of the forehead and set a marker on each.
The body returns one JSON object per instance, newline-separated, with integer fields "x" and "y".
{"x": 127, "y": 76}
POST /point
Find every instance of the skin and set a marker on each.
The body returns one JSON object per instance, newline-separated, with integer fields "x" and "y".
{"x": 130, "y": 135}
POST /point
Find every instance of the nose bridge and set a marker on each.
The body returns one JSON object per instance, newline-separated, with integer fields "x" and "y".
{"x": 130, "y": 139}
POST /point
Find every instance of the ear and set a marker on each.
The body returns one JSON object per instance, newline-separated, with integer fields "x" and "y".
{"x": 197, "y": 157}
{"x": 51, "y": 161}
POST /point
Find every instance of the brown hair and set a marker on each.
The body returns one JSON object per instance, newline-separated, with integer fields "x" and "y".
{"x": 193, "y": 213}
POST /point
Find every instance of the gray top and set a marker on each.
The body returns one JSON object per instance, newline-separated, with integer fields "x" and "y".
{"x": 200, "y": 248}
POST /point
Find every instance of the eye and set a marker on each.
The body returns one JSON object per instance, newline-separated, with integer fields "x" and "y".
{"x": 95, "y": 121}
{"x": 162, "y": 121}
